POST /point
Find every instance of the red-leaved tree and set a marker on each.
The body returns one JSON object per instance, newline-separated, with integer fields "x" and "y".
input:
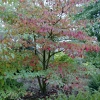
{"x": 53, "y": 30}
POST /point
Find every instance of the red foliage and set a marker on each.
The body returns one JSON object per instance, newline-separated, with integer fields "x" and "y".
{"x": 48, "y": 21}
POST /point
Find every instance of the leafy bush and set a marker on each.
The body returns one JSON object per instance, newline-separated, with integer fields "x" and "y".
{"x": 94, "y": 83}
{"x": 11, "y": 89}
{"x": 63, "y": 60}
{"x": 11, "y": 63}
{"x": 63, "y": 57}
{"x": 80, "y": 96}
{"x": 93, "y": 58}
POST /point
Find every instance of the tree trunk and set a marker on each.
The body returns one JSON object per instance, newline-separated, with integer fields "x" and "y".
{"x": 42, "y": 85}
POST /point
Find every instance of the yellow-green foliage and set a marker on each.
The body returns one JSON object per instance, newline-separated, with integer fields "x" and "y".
{"x": 63, "y": 58}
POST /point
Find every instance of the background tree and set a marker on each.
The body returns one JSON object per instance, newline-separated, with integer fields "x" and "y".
{"x": 91, "y": 16}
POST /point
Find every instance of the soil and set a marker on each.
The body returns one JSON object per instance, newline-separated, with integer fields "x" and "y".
{"x": 39, "y": 95}
{"x": 33, "y": 92}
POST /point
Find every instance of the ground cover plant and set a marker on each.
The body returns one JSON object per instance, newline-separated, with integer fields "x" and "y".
{"x": 36, "y": 31}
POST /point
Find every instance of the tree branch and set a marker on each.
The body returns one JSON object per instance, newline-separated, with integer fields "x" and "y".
{"x": 62, "y": 11}
{"x": 55, "y": 53}
{"x": 48, "y": 59}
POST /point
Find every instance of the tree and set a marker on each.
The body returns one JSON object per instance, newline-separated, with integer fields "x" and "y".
{"x": 91, "y": 13}
{"x": 48, "y": 22}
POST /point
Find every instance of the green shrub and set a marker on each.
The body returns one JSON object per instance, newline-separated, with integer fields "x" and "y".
{"x": 80, "y": 96}
{"x": 94, "y": 83}
{"x": 11, "y": 89}
{"x": 93, "y": 58}
{"x": 63, "y": 58}
{"x": 11, "y": 63}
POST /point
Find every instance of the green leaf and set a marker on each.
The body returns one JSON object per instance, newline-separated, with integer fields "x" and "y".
{"x": 12, "y": 55}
